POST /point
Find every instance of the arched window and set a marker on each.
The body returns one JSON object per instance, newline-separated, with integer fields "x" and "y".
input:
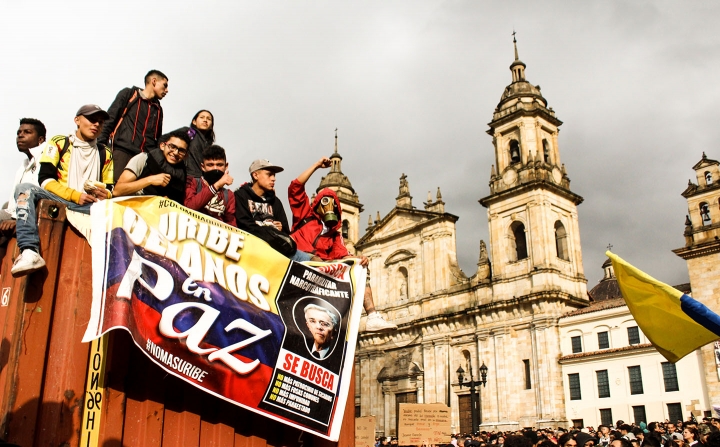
{"x": 546, "y": 151}
{"x": 345, "y": 228}
{"x": 705, "y": 213}
{"x": 708, "y": 178}
{"x": 403, "y": 285}
{"x": 517, "y": 238}
{"x": 561, "y": 244}
{"x": 514, "y": 151}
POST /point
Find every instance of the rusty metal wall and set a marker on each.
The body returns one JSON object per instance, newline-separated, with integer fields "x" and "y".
{"x": 43, "y": 368}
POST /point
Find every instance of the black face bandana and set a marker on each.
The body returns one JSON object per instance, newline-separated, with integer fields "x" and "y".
{"x": 213, "y": 176}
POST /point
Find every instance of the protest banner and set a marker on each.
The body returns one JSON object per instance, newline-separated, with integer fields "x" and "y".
{"x": 221, "y": 310}
{"x": 423, "y": 424}
{"x": 365, "y": 431}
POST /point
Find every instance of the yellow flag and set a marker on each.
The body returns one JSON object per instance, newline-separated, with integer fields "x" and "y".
{"x": 671, "y": 320}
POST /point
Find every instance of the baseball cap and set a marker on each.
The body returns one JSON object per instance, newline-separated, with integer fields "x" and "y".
{"x": 92, "y": 109}
{"x": 677, "y": 436}
{"x": 264, "y": 164}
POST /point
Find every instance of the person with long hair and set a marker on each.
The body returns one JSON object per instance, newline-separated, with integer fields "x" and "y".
{"x": 691, "y": 436}
{"x": 201, "y": 135}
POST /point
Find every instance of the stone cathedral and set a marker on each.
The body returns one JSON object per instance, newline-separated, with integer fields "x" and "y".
{"x": 505, "y": 315}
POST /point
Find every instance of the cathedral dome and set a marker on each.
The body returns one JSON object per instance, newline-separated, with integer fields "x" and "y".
{"x": 608, "y": 287}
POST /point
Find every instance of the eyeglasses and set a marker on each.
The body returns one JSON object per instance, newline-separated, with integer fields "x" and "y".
{"x": 322, "y": 323}
{"x": 181, "y": 151}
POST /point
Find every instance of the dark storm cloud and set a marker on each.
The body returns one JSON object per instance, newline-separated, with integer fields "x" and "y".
{"x": 411, "y": 87}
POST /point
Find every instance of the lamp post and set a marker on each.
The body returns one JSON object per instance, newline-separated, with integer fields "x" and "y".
{"x": 475, "y": 405}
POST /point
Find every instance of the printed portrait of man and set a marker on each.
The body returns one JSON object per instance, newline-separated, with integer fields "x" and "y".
{"x": 322, "y": 324}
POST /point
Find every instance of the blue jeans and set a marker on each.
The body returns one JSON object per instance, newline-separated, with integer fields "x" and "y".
{"x": 26, "y": 224}
{"x": 301, "y": 256}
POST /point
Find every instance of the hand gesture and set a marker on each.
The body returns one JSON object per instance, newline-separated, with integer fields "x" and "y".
{"x": 86, "y": 199}
{"x": 364, "y": 261}
{"x": 324, "y": 162}
{"x": 278, "y": 225}
{"x": 225, "y": 180}
{"x": 159, "y": 179}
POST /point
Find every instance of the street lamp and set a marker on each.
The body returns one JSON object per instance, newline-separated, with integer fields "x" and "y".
{"x": 475, "y": 408}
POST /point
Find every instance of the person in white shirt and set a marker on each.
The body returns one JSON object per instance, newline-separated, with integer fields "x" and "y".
{"x": 30, "y": 141}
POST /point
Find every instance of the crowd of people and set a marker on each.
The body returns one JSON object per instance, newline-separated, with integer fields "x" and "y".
{"x": 124, "y": 152}
{"x": 690, "y": 433}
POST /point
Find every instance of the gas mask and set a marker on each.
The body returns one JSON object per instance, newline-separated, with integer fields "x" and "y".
{"x": 326, "y": 210}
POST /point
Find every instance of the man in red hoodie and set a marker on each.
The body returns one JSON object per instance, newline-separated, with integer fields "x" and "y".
{"x": 316, "y": 230}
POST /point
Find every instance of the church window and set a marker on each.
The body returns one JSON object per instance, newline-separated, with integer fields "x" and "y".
{"x": 546, "y": 151}
{"x": 518, "y": 242}
{"x": 403, "y": 286}
{"x": 561, "y": 244}
{"x": 708, "y": 178}
{"x": 705, "y": 213}
{"x": 345, "y": 228}
{"x": 528, "y": 381}
{"x": 514, "y": 151}
{"x": 576, "y": 343}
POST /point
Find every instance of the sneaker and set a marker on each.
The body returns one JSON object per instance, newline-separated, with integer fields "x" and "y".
{"x": 26, "y": 263}
{"x": 376, "y": 323}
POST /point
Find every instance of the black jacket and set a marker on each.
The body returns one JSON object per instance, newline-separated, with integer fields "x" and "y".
{"x": 198, "y": 142}
{"x": 156, "y": 164}
{"x": 252, "y": 210}
{"x": 141, "y": 125}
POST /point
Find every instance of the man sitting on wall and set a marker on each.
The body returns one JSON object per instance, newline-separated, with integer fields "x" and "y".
{"x": 208, "y": 194}
{"x": 74, "y": 170}
{"x": 158, "y": 172}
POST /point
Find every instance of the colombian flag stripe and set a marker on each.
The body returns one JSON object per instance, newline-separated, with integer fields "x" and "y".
{"x": 675, "y": 323}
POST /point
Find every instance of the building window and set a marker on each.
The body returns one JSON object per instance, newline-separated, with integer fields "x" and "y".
{"x": 633, "y": 335}
{"x": 514, "y": 151}
{"x": 606, "y": 417}
{"x": 528, "y": 382}
{"x": 546, "y": 151}
{"x": 674, "y": 412}
{"x": 345, "y": 229}
{"x": 708, "y": 178}
{"x": 639, "y": 414}
{"x": 578, "y": 423}
{"x": 561, "y": 245}
{"x": 670, "y": 377}
{"x": 705, "y": 214}
{"x": 574, "y": 386}
{"x": 357, "y": 411}
{"x": 576, "y": 344}
{"x": 603, "y": 340}
{"x": 636, "y": 386}
{"x": 518, "y": 249}
{"x": 603, "y": 383}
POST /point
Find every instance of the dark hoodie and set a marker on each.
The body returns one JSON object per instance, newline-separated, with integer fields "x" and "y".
{"x": 254, "y": 213}
{"x": 139, "y": 129}
{"x": 307, "y": 224}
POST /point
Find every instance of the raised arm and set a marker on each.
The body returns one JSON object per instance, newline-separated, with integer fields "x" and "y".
{"x": 305, "y": 176}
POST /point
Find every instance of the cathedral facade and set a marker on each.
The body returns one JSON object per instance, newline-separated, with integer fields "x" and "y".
{"x": 504, "y": 316}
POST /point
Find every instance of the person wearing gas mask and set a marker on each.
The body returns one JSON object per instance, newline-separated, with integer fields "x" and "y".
{"x": 208, "y": 194}
{"x": 316, "y": 229}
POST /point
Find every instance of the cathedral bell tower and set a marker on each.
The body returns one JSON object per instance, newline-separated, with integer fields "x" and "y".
{"x": 534, "y": 232}
{"x": 349, "y": 201}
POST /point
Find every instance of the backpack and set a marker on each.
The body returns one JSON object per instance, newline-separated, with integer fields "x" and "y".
{"x": 133, "y": 98}
{"x": 101, "y": 148}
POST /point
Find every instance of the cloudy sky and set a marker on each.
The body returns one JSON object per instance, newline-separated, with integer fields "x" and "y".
{"x": 411, "y": 87}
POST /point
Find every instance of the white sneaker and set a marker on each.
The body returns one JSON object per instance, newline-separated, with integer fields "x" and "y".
{"x": 26, "y": 263}
{"x": 376, "y": 323}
